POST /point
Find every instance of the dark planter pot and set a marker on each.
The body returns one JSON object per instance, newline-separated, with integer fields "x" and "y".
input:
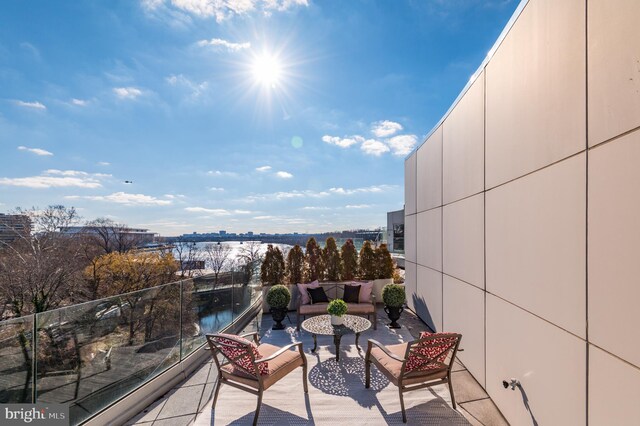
{"x": 278, "y": 315}
{"x": 394, "y": 315}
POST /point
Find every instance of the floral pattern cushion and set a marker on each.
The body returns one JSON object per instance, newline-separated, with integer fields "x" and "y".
{"x": 238, "y": 352}
{"x": 423, "y": 354}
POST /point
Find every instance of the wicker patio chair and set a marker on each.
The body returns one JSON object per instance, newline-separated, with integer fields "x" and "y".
{"x": 415, "y": 365}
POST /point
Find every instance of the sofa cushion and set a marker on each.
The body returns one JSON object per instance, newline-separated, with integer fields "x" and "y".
{"x": 320, "y": 308}
{"x": 317, "y": 295}
{"x": 365, "y": 291}
{"x": 351, "y": 293}
{"x": 360, "y": 308}
{"x": 302, "y": 289}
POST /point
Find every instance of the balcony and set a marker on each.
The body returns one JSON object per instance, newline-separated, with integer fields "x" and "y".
{"x": 336, "y": 389}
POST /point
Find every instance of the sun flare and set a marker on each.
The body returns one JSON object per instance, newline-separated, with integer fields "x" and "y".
{"x": 267, "y": 70}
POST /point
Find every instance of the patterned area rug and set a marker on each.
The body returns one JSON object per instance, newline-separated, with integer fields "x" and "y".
{"x": 336, "y": 390}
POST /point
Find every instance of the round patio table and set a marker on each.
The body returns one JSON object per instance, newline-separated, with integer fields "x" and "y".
{"x": 321, "y": 324}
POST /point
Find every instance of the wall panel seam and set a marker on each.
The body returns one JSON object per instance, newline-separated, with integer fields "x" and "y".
{"x": 536, "y": 170}
{"x": 613, "y": 139}
{"x": 537, "y": 316}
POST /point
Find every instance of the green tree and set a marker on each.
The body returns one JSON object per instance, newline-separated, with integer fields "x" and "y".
{"x": 368, "y": 262}
{"x": 384, "y": 263}
{"x": 295, "y": 265}
{"x": 313, "y": 261}
{"x": 272, "y": 269}
{"x": 331, "y": 259}
{"x": 349, "y": 260}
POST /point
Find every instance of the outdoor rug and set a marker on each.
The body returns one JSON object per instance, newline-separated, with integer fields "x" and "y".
{"x": 337, "y": 395}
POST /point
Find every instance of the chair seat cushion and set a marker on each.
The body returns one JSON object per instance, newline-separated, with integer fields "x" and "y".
{"x": 392, "y": 368}
{"x": 279, "y": 367}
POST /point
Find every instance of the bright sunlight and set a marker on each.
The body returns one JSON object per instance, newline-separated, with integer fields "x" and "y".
{"x": 267, "y": 70}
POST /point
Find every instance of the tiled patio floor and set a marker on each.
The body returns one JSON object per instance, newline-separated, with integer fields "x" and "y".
{"x": 181, "y": 405}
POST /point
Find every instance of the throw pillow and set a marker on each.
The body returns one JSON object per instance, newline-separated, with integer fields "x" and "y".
{"x": 365, "y": 291}
{"x": 237, "y": 349}
{"x": 302, "y": 289}
{"x": 317, "y": 295}
{"x": 351, "y": 293}
{"x": 432, "y": 350}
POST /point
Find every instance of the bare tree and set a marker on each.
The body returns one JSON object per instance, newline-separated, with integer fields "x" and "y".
{"x": 218, "y": 257}
{"x": 188, "y": 254}
{"x": 111, "y": 236}
{"x": 42, "y": 270}
{"x": 250, "y": 257}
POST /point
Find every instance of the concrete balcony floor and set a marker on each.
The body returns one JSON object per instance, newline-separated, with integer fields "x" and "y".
{"x": 336, "y": 390}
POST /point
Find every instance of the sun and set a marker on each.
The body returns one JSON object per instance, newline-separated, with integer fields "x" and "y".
{"x": 267, "y": 70}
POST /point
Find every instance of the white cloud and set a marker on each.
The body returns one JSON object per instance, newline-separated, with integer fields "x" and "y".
{"x": 197, "y": 89}
{"x": 342, "y": 142}
{"x": 374, "y": 147}
{"x": 79, "y": 102}
{"x": 56, "y": 179}
{"x": 264, "y": 217}
{"x": 34, "y": 105}
{"x": 402, "y": 144}
{"x": 221, "y": 173}
{"x": 221, "y": 10}
{"x": 103, "y": 163}
{"x": 130, "y": 199}
{"x": 215, "y": 212}
{"x": 174, "y": 196}
{"x": 127, "y": 92}
{"x": 385, "y": 128}
{"x": 37, "y": 151}
{"x": 263, "y": 168}
{"x": 220, "y": 43}
{"x": 315, "y": 208}
{"x": 367, "y": 189}
{"x": 317, "y": 194}
{"x": 216, "y": 189}
{"x": 358, "y": 206}
{"x": 284, "y": 175}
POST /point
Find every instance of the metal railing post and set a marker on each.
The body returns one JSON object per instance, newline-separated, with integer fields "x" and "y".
{"x": 34, "y": 358}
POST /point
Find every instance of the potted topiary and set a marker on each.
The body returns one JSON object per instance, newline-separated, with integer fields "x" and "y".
{"x": 337, "y": 308}
{"x": 278, "y": 299}
{"x": 393, "y": 296}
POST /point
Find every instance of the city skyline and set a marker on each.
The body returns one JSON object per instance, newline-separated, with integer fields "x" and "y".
{"x": 283, "y": 116}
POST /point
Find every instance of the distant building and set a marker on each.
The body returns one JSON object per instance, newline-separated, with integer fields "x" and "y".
{"x": 141, "y": 236}
{"x": 13, "y": 226}
{"x": 395, "y": 230}
{"x": 223, "y": 232}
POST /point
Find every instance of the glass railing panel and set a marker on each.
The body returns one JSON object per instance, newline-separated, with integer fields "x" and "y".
{"x": 92, "y": 354}
{"x": 206, "y": 308}
{"x": 16, "y": 360}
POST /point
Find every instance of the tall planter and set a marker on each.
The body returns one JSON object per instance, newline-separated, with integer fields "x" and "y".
{"x": 378, "y": 285}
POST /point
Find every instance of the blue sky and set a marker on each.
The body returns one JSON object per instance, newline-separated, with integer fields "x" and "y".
{"x": 243, "y": 115}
